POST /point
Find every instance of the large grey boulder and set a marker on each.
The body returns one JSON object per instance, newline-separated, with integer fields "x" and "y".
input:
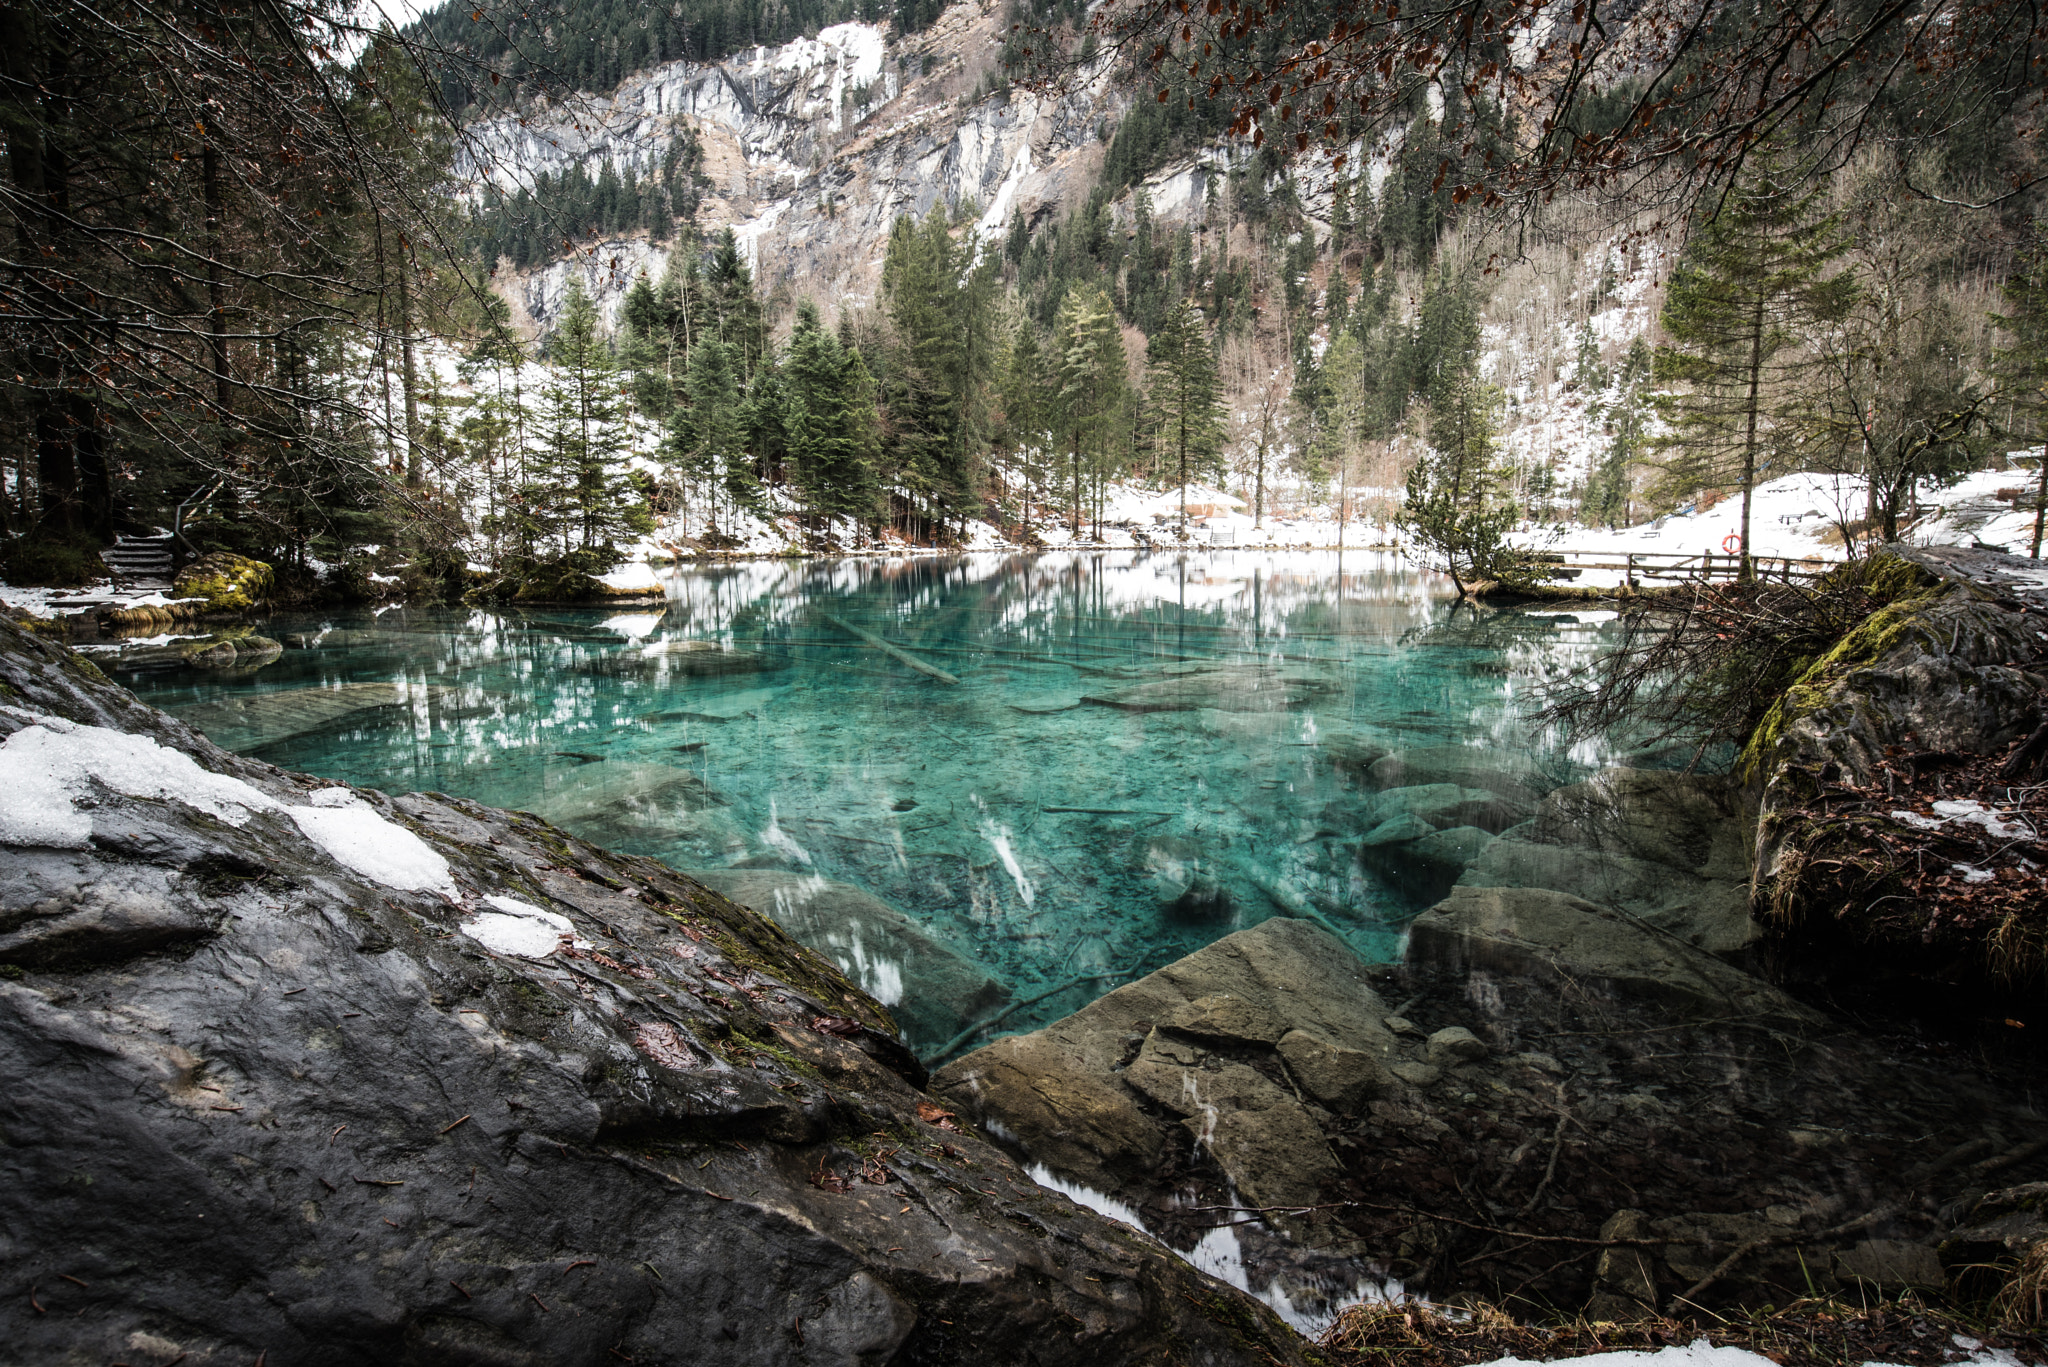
{"x": 303, "y": 1074}
{"x": 934, "y": 989}
{"x": 1281, "y": 992}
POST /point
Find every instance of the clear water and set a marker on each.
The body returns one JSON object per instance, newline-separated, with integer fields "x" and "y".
{"x": 1043, "y": 838}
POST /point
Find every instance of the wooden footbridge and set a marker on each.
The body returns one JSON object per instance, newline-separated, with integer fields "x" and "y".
{"x": 1645, "y": 569}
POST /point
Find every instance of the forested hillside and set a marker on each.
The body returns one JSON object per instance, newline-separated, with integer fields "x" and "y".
{"x": 1047, "y": 294}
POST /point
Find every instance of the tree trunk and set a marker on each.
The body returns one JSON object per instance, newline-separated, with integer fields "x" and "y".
{"x": 1074, "y": 517}
{"x": 1747, "y": 572}
{"x": 216, "y": 295}
{"x": 2040, "y": 502}
{"x": 408, "y": 375}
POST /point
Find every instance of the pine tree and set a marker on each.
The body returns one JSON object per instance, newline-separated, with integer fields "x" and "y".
{"x": 1456, "y": 506}
{"x": 829, "y": 416}
{"x": 1186, "y": 402}
{"x": 1606, "y": 497}
{"x": 921, "y": 276}
{"x": 1748, "y": 286}
{"x": 1088, "y": 353}
{"x": 592, "y": 503}
{"x": 644, "y": 343}
{"x": 1027, "y": 408}
{"x": 705, "y": 436}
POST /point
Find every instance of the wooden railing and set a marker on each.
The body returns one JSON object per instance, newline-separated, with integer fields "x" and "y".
{"x": 1640, "y": 567}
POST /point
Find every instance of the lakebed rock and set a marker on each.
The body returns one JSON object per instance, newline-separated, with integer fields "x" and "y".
{"x": 643, "y": 808}
{"x": 1664, "y": 848}
{"x": 684, "y": 660}
{"x": 1205, "y": 1030}
{"x": 315, "y": 1075}
{"x": 1534, "y": 932}
{"x": 1222, "y": 688}
{"x": 249, "y": 721}
{"x": 933, "y": 989}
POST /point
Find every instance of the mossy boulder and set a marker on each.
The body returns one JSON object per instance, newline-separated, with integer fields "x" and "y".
{"x": 226, "y": 582}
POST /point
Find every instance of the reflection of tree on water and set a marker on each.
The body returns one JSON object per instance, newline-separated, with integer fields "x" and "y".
{"x": 1139, "y": 830}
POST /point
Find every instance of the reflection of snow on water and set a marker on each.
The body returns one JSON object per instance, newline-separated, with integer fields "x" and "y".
{"x": 775, "y": 838}
{"x": 1219, "y": 1254}
{"x": 998, "y": 838}
{"x": 1006, "y": 817}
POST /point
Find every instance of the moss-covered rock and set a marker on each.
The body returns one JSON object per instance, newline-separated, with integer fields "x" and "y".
{"x": 225, "y": 581}
{"x": 1945, "y": 667}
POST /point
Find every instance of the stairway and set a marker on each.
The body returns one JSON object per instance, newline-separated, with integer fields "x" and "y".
{"x": 140, "y": 562}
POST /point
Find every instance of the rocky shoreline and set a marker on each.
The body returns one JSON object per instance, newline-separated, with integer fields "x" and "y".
{"x": 316, "y": 1075}
{"x": 311, "y": 1071}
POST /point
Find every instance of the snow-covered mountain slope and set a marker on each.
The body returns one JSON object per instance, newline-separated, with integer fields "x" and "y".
{"x": 808, "y": 175}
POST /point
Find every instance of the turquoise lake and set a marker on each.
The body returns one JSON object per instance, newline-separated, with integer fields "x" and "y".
{"x": 1142, "y": 751}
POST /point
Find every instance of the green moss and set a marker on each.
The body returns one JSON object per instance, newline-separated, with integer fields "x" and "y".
{"x": 1905, "y": 589}
{"x": 228, "y": 582}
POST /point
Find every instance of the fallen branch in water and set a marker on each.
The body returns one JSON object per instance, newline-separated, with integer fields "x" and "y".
{"x": 894, "y": 652}
{"x": 991, "y": 1022}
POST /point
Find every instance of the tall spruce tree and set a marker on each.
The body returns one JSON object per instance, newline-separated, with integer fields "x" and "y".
{"x": 1750, "y": 284}
{"x": 1088, "y": 351}
{"x": 829, "y": 416}
{"x": 1187, "y": 406}
{"x": 705, "y": 435}
{"x": 584, "y": 440}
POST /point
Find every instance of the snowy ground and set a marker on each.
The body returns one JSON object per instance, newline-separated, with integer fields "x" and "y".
{"x": 1799, "y": 517}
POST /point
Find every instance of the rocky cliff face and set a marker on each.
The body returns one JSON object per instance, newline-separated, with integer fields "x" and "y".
{"x": 809, "y": 180}
{"x": 307, "y": 1074}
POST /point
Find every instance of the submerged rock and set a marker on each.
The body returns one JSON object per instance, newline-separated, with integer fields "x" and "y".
{"x": 1513, "y": 774}
{"x": 1187, "y": 891}
{"x": 1534, "y": 932}
{"x": 242, "y": 651}
{"x": 1552, "y": 1061}
{"x": 1665, "y": 848}
{"x": 1444, "y": 805}
{"x": 1227, "y": 688}
{"x": 1203, "y": 1027}
{"x": 646, "y": 808}
{"x": 934, "y": 990}
{"x": 1418, "y": 860}
{"x": 684, "y": 659}
{"x": 310, "y": 1075}
{"x": 250, "y": 721}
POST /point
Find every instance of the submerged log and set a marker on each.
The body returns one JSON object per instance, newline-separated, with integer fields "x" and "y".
{"x": 896, "y": 653}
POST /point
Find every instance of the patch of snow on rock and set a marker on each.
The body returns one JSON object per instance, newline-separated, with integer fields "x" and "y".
{"x": 48, "y": 769}
{"x": 360, "y": 839}
{"x": 518, "y": 928}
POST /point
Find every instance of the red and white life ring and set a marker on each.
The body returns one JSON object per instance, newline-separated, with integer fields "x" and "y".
{"x": 1732, "y": 543}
